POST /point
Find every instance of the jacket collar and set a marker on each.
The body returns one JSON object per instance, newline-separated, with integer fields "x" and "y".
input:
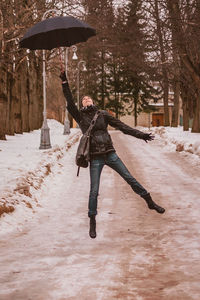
{"x": 89, "y": 108}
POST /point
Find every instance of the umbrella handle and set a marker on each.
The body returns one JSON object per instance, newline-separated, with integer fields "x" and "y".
{"x": 61, "y": 61}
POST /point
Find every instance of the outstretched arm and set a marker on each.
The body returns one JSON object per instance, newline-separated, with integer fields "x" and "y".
{"x": 127, "y": 129}
{"x": 73, "y": 110}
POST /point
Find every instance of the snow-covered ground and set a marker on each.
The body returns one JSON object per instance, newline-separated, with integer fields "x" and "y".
{"x": 24, "y": 167}
{"x": 138, "y": 254}
{"x": 175, "y": 139}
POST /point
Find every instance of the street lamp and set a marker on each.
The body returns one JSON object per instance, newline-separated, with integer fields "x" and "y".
{"x": 74, "y": 57}
{"x": 45, "y": 137}
{"x": 78, "y": 84}
{"x": 74, "y": 49}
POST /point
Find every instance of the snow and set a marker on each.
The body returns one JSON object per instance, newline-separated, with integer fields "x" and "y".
{"x": 137, "y": 254}
{"x": 175, "y": 139}
{"x": 24, "y": 167}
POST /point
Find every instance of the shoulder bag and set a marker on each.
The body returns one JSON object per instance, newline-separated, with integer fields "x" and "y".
{"x": 83, "y": 151}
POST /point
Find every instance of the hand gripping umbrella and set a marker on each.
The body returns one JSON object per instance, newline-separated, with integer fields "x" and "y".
{"x": 56, "y": 32}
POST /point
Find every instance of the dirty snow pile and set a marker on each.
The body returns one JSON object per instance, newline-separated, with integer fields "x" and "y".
{"x": 24, "y": 167}
{"x": 178, "y": 140}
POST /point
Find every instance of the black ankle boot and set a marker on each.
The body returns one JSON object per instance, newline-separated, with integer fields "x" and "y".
{"x": 92, "y": 231}
{"x": 152, "y": 205}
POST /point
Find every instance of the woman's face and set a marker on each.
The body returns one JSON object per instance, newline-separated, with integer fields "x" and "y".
{"x": 87, "y": 101}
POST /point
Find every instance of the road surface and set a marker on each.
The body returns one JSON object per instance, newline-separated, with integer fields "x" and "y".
{"x": 138, "y": 254}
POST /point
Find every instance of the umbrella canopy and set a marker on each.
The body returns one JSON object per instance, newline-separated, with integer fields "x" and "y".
{"x": 56, "y": 32}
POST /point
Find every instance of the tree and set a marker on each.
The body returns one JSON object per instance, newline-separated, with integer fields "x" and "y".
{"x": 186, "y": 38}
{"x": 138, "y": 71}
{"x": 100, "y": 15}
{"x": 21, "y": 98}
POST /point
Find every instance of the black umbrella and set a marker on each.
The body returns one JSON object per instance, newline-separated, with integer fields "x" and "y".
{"x": 56, "y": 32}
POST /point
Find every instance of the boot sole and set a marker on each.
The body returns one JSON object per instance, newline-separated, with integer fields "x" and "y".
{"x": 159, "y": 212}
{"x": 93, "y": 236}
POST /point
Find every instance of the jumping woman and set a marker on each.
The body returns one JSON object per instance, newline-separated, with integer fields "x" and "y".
{"x": 102, "y": 151}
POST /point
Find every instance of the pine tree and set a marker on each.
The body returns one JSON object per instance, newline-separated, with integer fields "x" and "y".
{"x": 100, "y": 15}
{"x": 138, "y": 73}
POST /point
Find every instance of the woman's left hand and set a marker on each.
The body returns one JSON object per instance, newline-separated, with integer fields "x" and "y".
{"x": 148, "y": 137}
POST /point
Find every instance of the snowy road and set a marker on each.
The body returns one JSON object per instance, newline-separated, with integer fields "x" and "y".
{"x": 138, "y": 254}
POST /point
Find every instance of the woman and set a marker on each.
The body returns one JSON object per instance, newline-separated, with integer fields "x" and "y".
{"x": 102, "y": 151}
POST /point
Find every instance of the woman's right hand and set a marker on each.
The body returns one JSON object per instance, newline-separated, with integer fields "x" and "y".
{"x": 63, "y": 76}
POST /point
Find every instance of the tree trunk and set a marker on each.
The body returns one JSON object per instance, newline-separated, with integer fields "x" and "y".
{"x": 35, "y": 97}
{"x": 135, "y": 110}
{"x": 175, "y": 110}
{"x": 3, "y": 103}
{"x": 2, "y": 118}
{"x": 185, "y": 115}
{"x": 165, "y": 98}
{"x": 196, "y": 121}
{"x": 24, "y": 96}
{"x": 116, "y": 105}
{"x": 176, "y": 83}
{"x": 10, "y": 129}
{"x": 115, "y": 93}
{"x": 164, "y": 69}
{"x": 102, "y": 80}
{"x": 16, "y": 100}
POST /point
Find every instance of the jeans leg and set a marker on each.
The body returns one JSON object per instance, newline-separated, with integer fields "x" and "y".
{"x": 96, "y": 166}
{"x": 116, "y": 164}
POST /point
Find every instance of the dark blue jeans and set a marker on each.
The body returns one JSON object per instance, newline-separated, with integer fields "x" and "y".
{"x": 112, "y": 160}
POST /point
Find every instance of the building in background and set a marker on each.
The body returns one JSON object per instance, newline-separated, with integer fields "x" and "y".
{"x": 154, "y": 118}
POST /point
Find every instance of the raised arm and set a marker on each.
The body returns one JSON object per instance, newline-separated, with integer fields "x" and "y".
{"x": 127, "y": 129}
{"x": 73, "y": 110}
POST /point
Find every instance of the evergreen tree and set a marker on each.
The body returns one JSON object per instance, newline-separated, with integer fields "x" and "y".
{"x": 100, "y": 15}
{"x": 138, "y": 72}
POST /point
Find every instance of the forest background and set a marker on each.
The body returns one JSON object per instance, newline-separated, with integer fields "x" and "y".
{"x": 138, "y": 43}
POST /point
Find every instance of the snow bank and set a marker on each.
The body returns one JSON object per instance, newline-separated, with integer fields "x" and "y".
{"x": 24, "y": 167}
{"x": 178, "y": 140}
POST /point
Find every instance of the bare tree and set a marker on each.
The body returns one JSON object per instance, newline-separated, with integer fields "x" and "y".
{"x": 186, "y": 40}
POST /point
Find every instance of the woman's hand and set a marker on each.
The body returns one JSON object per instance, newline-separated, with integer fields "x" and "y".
{"x": 63, "y": 76}
{"x": 148, "y": 137}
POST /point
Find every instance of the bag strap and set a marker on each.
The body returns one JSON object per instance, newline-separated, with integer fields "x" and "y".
{"x": 78, "y": 171}
{"x": 92, "y": 123}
